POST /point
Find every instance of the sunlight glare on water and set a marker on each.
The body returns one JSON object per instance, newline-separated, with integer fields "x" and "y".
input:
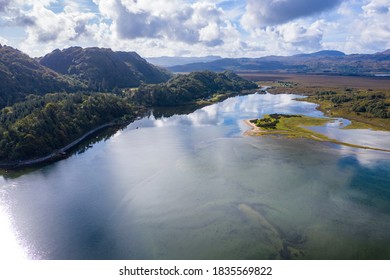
{"x": 9, "y": 243}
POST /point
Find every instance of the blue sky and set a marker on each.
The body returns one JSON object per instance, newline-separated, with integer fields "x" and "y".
{"x": 229, "y": 28}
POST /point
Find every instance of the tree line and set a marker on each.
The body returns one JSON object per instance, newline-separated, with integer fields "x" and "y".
{"x": 41, "y": 124}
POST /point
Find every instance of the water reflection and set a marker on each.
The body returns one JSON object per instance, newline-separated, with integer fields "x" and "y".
{"x": 363, "y": 137}
{"x": 192, "y": 187}
{"x": 367, "y": 158}
{"x": 11, "y": 248}
{"x": 241, "y": 107}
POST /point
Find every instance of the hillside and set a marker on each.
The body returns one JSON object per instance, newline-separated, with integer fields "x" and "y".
{"x": 21, "y": 75}
{"x": 184, "y": 89}
{"x": 41, "y": 125}
{"x": 323, "y": 62}
{"x": 103, "y": 69}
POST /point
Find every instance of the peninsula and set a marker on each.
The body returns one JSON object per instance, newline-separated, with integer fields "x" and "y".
{"x": 294, "y": 126}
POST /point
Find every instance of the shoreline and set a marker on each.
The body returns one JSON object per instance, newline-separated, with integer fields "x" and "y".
{"x": 56, "y": 155}
{"x": 61, "y": 153}
{"x": 257, "y": 131}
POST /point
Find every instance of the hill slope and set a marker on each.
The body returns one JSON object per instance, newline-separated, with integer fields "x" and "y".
{"x": 103, "y": 69}
{"x": 21, "y": 75}
{"x": 184, "y": 89}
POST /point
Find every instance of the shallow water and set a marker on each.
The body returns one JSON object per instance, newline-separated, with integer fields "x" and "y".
{"x": 193, "y": 187}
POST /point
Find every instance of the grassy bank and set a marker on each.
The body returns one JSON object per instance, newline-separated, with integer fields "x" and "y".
{"x": 293, "y": 126}
{"x": 363, "y": 100}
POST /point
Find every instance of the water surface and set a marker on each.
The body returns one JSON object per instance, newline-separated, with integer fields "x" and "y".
{"x": 191, "y": 186}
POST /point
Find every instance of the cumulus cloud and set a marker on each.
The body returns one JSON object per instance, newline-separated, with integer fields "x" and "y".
{"x": 47, "y": 30}
{"x": 300, "y": 37}
{"x": 49, "y": 26}
{"x": 374, "y": 26}
{"x": 175, "y": 20}
{"x": 231, "y": 28}
{"x": 4, "y": 4}
{"x": 260, "y": 14}
{"x": 377, "y": 7}
{"x": 365, "y": 26}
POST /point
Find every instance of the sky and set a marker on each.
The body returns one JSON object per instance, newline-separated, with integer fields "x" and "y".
{"x": 228, "y": 28}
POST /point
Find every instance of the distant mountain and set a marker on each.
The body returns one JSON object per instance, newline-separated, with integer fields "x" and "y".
{"x": 386, "y": 52}
{"x": 168, "y": 61}
{"x": 326, "y": 53}
{"x": 103, "y": 69}
{"x": 323, "y": 62}
{"x": 21, "y": 75}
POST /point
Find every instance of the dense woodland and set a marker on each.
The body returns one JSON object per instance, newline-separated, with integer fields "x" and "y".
{"x": 21, "y": 75}
{"x": 42, "y": 124}
{"x": 271, "y": 121}
{"x": 102, "y": 69}
{"x": 42, "y": 110}
{"x": 183, "y": 89}
{"x": 371, "y": 104}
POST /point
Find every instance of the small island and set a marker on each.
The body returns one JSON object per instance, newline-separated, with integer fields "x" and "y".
{"x": 294, "y": 126}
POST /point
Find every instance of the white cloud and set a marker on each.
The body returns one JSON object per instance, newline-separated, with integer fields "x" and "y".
{"x": 54, "y": 30}
{"x": 4, "y": 4}
{"x": 200, "y": 22}
{"x": 375, "y": 25}
{"x": 3, "y": 41}
{"x": 260, "y": 14}
{"x": 303, "y": 38}
{"x": 363, "y": 26}
{"x": 231, "y": 28}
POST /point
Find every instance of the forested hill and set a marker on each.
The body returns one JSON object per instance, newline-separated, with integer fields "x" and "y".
{"x": 43, "y": 124}
{"x": 103, "y": 69}
{"x": 185, "y": 88}
{"x": 21, "y": 75}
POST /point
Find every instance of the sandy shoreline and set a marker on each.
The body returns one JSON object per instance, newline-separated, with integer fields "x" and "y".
{"x": 254, "y": 131}
{"x": 257, "y": 131}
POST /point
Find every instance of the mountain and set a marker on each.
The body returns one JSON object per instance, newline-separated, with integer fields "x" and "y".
{"x": 168, "y": 61}
{"x": 187, "y": 88}
{"x": 21, "y": 75}
{"x": 326, "y": 53}
{"x": 323, "y": 62}
{"x": 103, "y": 69}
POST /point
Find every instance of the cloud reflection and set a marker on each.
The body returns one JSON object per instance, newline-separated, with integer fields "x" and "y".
{"x": 366, "y": 158}
{"x": 241, "y": 107}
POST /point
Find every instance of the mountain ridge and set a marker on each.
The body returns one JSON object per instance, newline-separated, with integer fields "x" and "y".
{"x": 322, "y": 62}
{"x": 21, "y": 75}
{"x": 104, "y": 69}
{"x": 168, "y": 61}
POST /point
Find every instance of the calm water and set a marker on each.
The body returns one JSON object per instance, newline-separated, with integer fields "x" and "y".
{"x": 193, "y": 187}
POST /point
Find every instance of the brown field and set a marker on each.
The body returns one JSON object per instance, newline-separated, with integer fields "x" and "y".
{"x": 375, "y": 83}
{"x": 312, "y": 85}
